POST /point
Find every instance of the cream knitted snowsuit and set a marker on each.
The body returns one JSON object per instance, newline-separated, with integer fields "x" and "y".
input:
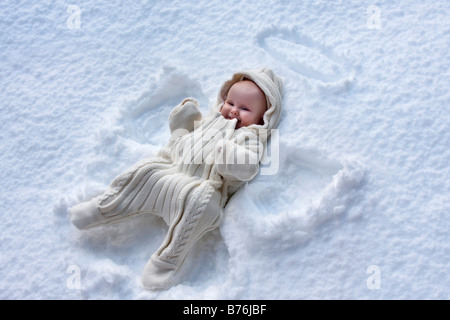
{"x": 190, "y": 180}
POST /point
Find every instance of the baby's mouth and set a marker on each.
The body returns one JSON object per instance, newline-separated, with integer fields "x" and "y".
{"x": 238, "y": 122}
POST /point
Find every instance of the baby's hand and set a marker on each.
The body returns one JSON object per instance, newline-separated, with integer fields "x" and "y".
{"x": 184, "y": 115}
{"x": 235, "y": 161}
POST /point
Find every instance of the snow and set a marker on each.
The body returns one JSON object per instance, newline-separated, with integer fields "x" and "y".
{"x": 357, "y": 210}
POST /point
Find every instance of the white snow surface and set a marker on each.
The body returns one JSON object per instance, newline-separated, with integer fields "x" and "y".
{"x": 359, "y": 207}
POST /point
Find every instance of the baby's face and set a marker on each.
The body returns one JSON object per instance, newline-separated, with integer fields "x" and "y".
{"x": 245, "y": 102}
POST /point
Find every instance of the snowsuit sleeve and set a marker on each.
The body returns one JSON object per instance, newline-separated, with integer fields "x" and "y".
{"x": 239, "y": 159}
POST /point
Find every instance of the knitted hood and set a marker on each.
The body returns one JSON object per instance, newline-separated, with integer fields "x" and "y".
{"x": 272, "y": 87}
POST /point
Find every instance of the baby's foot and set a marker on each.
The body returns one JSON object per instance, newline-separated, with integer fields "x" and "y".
{"x": 86, "y": 215}
{"x": 158, "y": 274}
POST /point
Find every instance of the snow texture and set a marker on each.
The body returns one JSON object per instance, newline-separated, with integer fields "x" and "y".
{"x": 359, "y": 206}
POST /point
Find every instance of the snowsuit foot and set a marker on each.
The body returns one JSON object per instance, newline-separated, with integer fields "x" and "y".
{"x": 86, "y": 215}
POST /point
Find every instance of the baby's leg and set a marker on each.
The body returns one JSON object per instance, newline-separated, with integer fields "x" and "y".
{"x": 167, "y": 260}
{"x": 123, "y": 199}
{"x": 87, "y": 215}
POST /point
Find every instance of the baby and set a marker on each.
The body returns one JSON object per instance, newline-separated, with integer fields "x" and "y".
{"x": 191, "y": 179}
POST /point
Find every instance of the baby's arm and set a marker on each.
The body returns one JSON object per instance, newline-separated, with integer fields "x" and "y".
{"x": 184, "y": 115}
{"x": 239, "y": 159}
{"x": 181, "y": 121}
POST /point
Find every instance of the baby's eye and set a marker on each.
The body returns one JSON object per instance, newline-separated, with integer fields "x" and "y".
{"x": 230, "y": 103}
{"x": 244, "y": 108}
